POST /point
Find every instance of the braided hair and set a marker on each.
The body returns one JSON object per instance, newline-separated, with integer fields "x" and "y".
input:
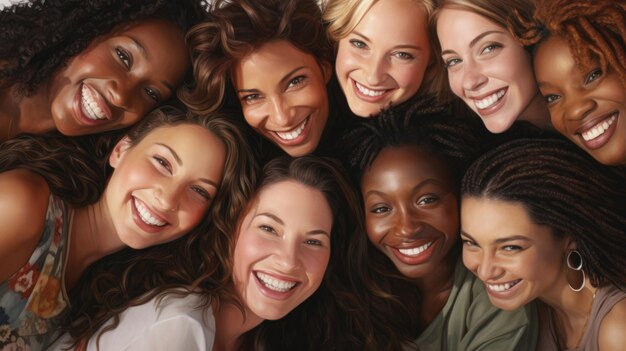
{"x": 40, "y": 36}
{"x": 594, "y": 31}
{"x": 565, "y": 189}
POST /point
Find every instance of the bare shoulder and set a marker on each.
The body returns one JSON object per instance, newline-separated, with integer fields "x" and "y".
{"x": 23, "y": 202}
{"x": 612, "y": 335}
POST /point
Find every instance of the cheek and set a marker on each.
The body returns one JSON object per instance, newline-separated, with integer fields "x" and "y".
{"x": 253, "y": 115}
{"x": 410, "y": 78}
{"x": 315, "y": 264}
{"x": 455, "y": 82}
{"x": 345, "y": 60}
{"x": 194, "y": 211}
{"x": 375, "y": 228}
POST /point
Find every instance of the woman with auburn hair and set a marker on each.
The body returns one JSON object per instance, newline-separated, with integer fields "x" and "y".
{"x": 409, "y": 169}
{"x": 278, "y": 269}
{"x": 579, "y": 52}
{"x": 485, "y": 66}
{"x": 170, "y": 170}
{"x": 270, "y": 60}
{"x": 383, "y": 51}
{"x": 542, "y": 220}
{"x": 86, "y": 67}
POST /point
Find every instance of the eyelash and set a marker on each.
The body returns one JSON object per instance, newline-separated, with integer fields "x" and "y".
{"x": 358, "y": 44}
{"x": 267, "y": 228}
{"x": 451, "y": 62}
{"x": 313, "y": 242}
{"x": 380, "y": 209}
{"x": 593, "y": 76}
{"x": 427, "y": 199}
{"x": 468, "y": 243}
{"x": 510, "y": 248}
{"x": 551, "y": 98}
{"x": 296, "y": 81}
{"x": 200, "y": 191}
{"x": 163, "y": 162}
{"x": 492, "y": 47}
{"x": 405, "y": 56}
{"x": 248, "y": 99}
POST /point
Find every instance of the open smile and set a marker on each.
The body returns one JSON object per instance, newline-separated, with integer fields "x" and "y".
{"x": 503, "y": 287}
{"x": 367, "y": 93}
{"x": 599, "y": 132}
{"x": 416, "y": 254}
{"x": 145, "y": 218}
{"x": 275, "y": 287}
{"x": 90, "y": 107}
{"x": 293, "y": 136}
{"x": 489, "y": 103}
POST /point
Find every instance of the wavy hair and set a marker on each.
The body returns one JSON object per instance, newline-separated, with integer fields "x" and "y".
{"x": 234, "y": 29}
{"x": 564, "y": 188}
{"x": 40, "y": 36}
{"x": 199, "y": 258}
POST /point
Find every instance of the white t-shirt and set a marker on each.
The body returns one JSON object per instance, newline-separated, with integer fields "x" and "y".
{"x": 174, "y": 324}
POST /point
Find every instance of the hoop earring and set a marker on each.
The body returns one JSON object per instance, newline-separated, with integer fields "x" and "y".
{"x": 576, "y": 266}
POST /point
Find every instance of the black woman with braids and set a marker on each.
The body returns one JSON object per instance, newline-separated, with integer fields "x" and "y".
{"x": 579, "y": 58}
{"x": 172, "y": 173}
{"x": 541, "y": 219}
{"x": 409, "y": 169}
{"x": 83, "y": 67}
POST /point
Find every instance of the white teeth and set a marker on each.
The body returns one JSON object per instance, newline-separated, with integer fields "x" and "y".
{"x": 489, "y": 100}
{"x": 275, "y": 284}
{"x": 502, "y": 287}
{"x": 294, "y": 133}
{"x": 90, "y": 106}
{"x": 598, "y": 129}
{"x": 416, "y": 250}
{"x": 369, "y": 92}
{"x": 146, "y": 216}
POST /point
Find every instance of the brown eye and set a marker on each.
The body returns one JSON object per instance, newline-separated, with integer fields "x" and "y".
{"x": 124, "y": 57}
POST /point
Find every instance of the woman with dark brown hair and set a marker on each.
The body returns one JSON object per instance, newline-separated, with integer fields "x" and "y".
{"x": 273, "y": 59}
{"x": 169, "y": 172}
{"x": 86, "y": 67}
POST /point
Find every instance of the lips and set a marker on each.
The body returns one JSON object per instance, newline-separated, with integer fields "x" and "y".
{"x": 274, "y": 283}
{"x": 599, "y": 128}
{"x": 146, "y": 218}
{"x": 294, "y": 136}
{"x": 367, "y": 93}
{"x": 274, "y": 286}
{"x": 503, "y": 287}
{"x": 489, "y": 103}
{"x": 293, "y": 133}
{"x": 416, "y": 253}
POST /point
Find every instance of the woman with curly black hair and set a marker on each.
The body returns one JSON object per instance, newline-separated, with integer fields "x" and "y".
{"x": 86, "y": 67}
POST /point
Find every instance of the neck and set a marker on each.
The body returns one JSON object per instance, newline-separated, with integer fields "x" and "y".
{"x": 537, "y": 113}
{"x": 231, "y": 324}
{"x": 435, "y": 288}
{"x": 24, "y": 114}
{"x": 570, "y": 311}
{"x": 92, "y": 237}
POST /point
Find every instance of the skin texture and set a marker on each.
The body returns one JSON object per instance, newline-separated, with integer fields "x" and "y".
{"x": 484, "y": 61}
{"x": 409, "y": 202}
{"x": 286, "y": 236}
{"x": 125, "y": 80}
{"x": 283, "y": 96}
{"x": 389, "y": 64}
{"x": 173, "y": 173}
{"x": 580, "y": 102}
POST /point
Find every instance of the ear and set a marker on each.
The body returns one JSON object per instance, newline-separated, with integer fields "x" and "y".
{"x": 119, "y": 151}
{"x": 570, "y": 244}
{"x": 327, "y": 70}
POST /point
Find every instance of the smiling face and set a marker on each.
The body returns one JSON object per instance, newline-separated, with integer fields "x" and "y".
{"x": 487, "y": 68}
{"x": 586, "y": 107}
{"x": 517, "y": 259}
{"x": 283, "y": 96}
{"x": 411, "y": 211}
{"x": 118, "y": 78}
{"x": 162, "y": 187}
{"x": 282, "y": 249}
{"x": 383, "y": 60}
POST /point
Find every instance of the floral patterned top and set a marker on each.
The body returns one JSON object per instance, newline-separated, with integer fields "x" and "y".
{"x": 32, "y": 299}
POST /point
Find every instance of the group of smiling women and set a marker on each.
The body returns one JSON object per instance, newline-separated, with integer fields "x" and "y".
{"x": 288, "y": 175}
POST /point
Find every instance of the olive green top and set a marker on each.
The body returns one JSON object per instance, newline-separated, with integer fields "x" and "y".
{"x": 469, "y": 321}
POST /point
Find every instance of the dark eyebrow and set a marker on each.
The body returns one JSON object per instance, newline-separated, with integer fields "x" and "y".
{"x": 475, "y": 40}
{"x": 280, "y": 221}
{"x": 180, "y": 163}
{"x": 501, "y": 240}
{"x": 146, "y": 55}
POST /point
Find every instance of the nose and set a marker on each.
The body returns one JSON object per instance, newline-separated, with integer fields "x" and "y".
{"x": 280, "y": 114}
{"x": 121, "y": 91}
{"x": 579, "y": 107}
{"x": 375, "y": 70}
{"x": 488, "y": 268}
{"x": 167, "y": 197}
{"x": 473, "y": 77}
{"x": 407, "y": 225}
{"x": 286, "y": 255}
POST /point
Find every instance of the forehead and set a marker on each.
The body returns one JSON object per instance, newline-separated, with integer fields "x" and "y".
{"x": 400, "y": 19}
{"x": 276, "y": 58}
{"x": 410, "y": 162}
{"x": 460, "y": 24}
{"x": 553, "y": 52}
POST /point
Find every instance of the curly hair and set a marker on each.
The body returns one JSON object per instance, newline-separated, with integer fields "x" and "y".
{"x": 510, "y": 14}
{"x": 118, "y": 281}
{"x": 40, "y": 36}
{"x": 594, "y": 31}
{"x": 564, "y": 188}
{"x": 234, "y": 29}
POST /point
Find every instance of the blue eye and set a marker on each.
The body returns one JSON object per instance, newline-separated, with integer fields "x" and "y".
{"x": 490, "y": 48}
{"x": 358, "y": 44}
{"x": 403, "y": 55}
{"x": 451, "y": 62}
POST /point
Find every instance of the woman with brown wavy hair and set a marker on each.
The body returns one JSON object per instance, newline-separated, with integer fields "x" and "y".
{"x": 169, "y": 171}
{"x": 270, "y": 60}
{"x": 275, "y": 278}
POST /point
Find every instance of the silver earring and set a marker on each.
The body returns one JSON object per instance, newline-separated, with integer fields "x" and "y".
{"x": 575, "y": 262}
